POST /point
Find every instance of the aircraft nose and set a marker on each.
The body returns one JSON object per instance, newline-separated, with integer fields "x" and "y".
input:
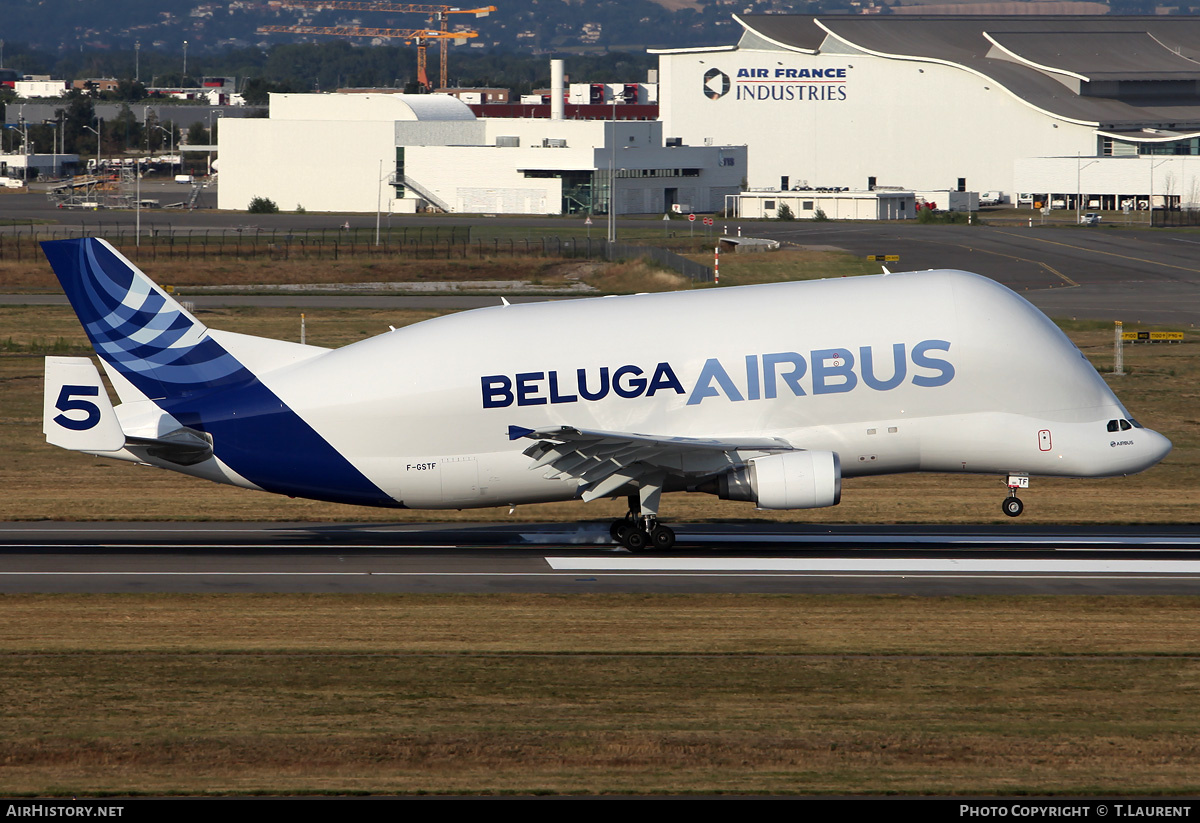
{"x": 1156, "y": 447}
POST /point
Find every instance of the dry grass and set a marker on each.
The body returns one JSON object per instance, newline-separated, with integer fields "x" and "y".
{"x": 634, "y": 277}
{"x": 785, "y": 265}
{"x": 780, "y": 694}
{"x": 229, "y": 271}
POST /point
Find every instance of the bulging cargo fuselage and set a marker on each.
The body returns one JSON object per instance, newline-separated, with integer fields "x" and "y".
{"x": 766, "y": 393}
{"x": 932, "y": 371}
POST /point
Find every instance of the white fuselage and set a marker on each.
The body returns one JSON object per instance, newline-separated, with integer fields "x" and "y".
{"x": 935, "y": 371}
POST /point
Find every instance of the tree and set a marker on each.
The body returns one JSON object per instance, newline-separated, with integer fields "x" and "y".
{"x": 79, "y": 114}
{"x": 197, "y": 134}
{"x": 258, "y": 90}
{"x": 262, "y": 205}
{"x": 785, "y": 212}
{"x": 125, "y": 129}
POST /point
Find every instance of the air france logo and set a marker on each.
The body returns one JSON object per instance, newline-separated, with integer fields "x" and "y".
{"x": 791, "y": 84}
{"x": 757, "y": 377}
{"x": 716, "y": 84}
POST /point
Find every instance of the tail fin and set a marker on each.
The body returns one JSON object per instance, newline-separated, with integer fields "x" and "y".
{"x": 136, "y": 327}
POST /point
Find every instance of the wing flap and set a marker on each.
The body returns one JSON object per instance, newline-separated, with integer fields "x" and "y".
{"x": 605, "y": 462}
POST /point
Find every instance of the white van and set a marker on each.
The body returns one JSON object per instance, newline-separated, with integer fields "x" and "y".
{"x": 185, "y": 178}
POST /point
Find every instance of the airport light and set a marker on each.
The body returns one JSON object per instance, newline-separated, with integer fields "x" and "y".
{"x": 1150, "y": 202}
{"x": 96, "y": 132}
{"x": 171, "y": 135}
{"x": 1078, "y": 185}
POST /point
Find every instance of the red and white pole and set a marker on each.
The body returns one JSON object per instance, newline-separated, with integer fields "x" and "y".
{"x": 717, "y": 265}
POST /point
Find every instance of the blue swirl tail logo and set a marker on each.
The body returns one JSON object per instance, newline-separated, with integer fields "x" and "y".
{"x": 137, "y": 327}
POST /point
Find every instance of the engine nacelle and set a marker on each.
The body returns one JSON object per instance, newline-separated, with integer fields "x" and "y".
{"x": 792, "y": 480}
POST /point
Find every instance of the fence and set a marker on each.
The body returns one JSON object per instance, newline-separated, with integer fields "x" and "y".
{"x": 413, "y": 243}
{"x": 1165, "y": 217}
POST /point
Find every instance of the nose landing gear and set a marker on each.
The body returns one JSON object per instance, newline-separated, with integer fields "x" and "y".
{"x": 1012, "y": 505}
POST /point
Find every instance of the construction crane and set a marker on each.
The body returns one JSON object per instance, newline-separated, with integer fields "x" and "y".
{"x": 436, "y": 13}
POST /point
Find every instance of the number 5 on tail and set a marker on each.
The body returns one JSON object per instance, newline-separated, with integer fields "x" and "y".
{"x": 76, "y": 412}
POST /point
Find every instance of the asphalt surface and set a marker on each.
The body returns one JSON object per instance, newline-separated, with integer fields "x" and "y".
{"x": 299, "y": 557}
{"x": 1113, "y": 272}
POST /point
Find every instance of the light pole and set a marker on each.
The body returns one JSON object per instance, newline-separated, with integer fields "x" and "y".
{"x": 1078, "y": 185}
{"x": 171, "y": 136}
{"x": 137, "y": 61}
{"x": 612, "y": 177}
{"x": 211, "y": 141}
{"x": 183, "y": 80}
{"x": 1150, "y": 203}
{"x": 54, "y": 124}
{"x": 137, "y": 176}
{"x": 96, "y": 132}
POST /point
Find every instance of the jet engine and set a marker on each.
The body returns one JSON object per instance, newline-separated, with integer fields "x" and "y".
{"x": 791, "y": 480}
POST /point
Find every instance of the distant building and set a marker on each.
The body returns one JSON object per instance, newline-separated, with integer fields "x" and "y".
{"x": 95, "y": 85}
{"x": 403, "y": 153}
{"x": 41, "y": 86}
{"x": 480, "y": 95}
{"x": 1078, "y": 112}
{"x": 216, "y": 91}
{"x": 32, "y": 166}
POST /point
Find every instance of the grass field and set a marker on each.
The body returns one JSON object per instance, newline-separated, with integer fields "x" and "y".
{"x": 599, "y": 694}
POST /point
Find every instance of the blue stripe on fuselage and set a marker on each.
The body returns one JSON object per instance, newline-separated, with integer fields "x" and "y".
{"x": 258, "y": 436}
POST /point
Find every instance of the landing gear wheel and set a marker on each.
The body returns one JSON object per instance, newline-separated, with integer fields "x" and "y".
{"x": 635, "y": 539}
{"x": 663, "y": 538}
{"x": 617, "y": 530}
{"x": 1013, "y": 506}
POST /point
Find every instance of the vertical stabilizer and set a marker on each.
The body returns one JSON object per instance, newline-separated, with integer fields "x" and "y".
{"x": 137, "y": 328}
{"x": 219, "y": 409}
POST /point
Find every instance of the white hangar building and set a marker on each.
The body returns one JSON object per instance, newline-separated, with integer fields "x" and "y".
{"x": 400, "y": 153}
{"x": 1105, "y": 106}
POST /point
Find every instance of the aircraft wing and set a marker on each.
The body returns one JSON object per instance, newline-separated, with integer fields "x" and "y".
{"x": 605, "y": 461}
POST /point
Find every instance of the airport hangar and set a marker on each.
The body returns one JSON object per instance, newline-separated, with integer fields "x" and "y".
{"x": 1049, "y": 105}
{"x": 398, "y": 153}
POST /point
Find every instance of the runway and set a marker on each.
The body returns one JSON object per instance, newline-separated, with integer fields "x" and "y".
{"x": 555, "y": 558}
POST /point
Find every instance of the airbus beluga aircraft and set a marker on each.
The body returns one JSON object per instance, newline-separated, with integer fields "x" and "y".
{"x": 769, "y": 394}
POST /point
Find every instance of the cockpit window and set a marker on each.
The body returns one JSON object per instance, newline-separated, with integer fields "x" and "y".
{"x": 1112, "y": 425}
{"x": 1125, "y": 426}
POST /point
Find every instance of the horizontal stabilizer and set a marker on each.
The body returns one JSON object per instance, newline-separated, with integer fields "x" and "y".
{"x": 76, "y": 411}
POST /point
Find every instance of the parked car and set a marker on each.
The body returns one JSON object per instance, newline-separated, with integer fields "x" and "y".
{"x": 1090, "y": 219}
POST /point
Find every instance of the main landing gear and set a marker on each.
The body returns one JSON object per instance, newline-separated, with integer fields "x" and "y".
{"x": 1012, "y": 505}
{"x": 639, "y": 530}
